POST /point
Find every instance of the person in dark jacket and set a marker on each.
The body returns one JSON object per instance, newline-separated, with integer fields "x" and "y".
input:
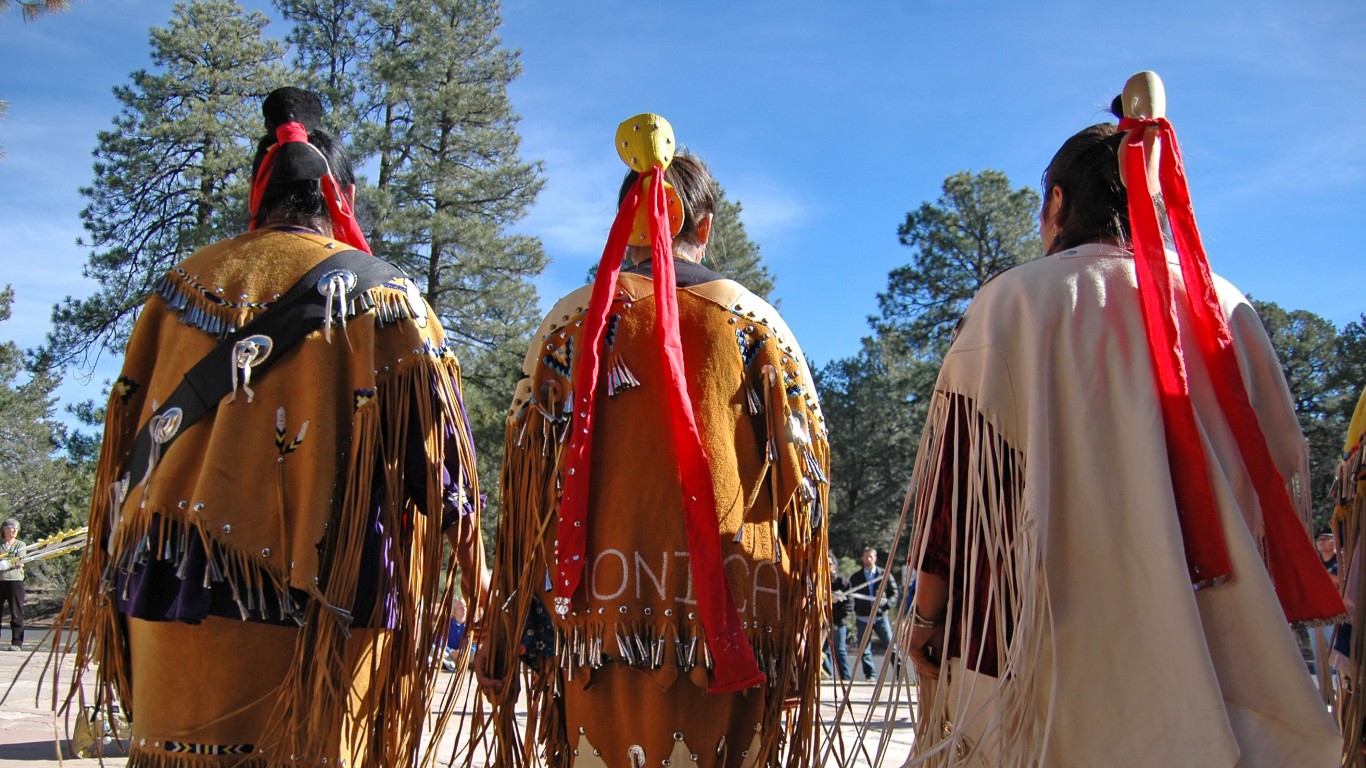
{"x": 870, "y": 607}
{"x": 841, "y": 606}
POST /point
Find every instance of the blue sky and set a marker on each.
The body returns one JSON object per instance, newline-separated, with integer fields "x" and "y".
{"x": 827, "y": 120}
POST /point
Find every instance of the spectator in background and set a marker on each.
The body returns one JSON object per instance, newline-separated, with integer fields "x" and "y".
{"x": 12, "y": 581}
{"x": 841, "y": 606}
{"x": 1328, "y": 553}
{"x": 870, "y": 607}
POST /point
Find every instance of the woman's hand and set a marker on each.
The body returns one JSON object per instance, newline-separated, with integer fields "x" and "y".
{"x": 922, "y": 628}
{"x": 925, "y": 646}
{"x": 493, "y": 687}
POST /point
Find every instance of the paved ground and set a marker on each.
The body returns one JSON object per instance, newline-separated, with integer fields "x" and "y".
{"x": 874, "y": 717}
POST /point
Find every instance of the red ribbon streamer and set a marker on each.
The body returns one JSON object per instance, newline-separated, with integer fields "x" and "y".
{"x": 344, "y": 225}
{"x": 1305, "y": 591}
{"x": 734, "y": 666}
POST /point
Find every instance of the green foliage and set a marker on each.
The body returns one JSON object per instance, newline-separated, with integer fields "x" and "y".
{"x": 32, "y": 9}
{"x": 978, "y": 228}
{"x": 731, "y": 253}
{"x": 331, "y": 40}
{"x": 1349, "y": 375}
{"x": 46, "y": 490}
{"x": 423, "y": 88}
{"x": 170, "y": 173}
{"x": 873, "y": 414}
{"x": 1322, "y": 368}
{"x": 876, "y": 402}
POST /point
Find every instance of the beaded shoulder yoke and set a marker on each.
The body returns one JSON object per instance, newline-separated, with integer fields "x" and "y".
{"x": 764, "y": 436}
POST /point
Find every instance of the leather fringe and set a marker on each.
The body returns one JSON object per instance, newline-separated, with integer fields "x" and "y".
{"x": 318, "y": 715}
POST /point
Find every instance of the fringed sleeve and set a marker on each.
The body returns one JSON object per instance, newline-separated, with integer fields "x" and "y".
{"x": 530, "y": 492}
{"x": 798, "y": 446}
{"x": 101, "y": 641}
{"x": 382, "y": 722}
{"x": 1349, "y": 524}
{"x": 324, "y": 529}
{"x": 971, "y": 529}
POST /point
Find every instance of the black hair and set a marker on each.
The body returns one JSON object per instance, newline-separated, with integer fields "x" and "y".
{"x": 1094, "y": 204}
{"x": 695, "y": 187}
{"x": 294, "y": 180}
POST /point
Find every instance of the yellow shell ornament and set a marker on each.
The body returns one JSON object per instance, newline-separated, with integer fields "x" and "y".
{"x": 643, "y": 142}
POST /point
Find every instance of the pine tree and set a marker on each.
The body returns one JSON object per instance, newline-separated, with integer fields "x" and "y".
{"x": 978, "y": 228}
{"x": 170, "y": 175}
{"x": 332, "y": 42}
{"x": 450, "y": 179}
{"x": 32, "y": 9}
{"x": 45, "y": 489}
{"x": 426, "y": 81}
{"x": 876, "y": 401}
{"x": 1307, "y": 347}
{"x": 873, "y": 419}
{"x": 731, "y": 252}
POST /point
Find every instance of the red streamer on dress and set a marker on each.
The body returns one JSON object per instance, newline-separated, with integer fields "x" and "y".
{"x": 344, "y": 225}
{"x": 734, "y": 666}
{"x": 1305, "y": 591}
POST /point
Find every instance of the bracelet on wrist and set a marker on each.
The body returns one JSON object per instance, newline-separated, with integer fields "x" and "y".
{"x": 921, "y": 621}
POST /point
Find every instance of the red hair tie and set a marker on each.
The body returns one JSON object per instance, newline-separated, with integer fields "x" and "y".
{"x": 1303, "y": 587}
{"x": 344, "y": 225}
{"x": 734, "y": 666}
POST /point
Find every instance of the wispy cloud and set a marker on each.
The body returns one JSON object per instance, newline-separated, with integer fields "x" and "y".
{"x": 771, "y": 211}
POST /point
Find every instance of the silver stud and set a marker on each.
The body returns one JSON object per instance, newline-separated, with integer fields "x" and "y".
{"x": 199, "y": 507}
{"x": 227, "y": 528}
{"x": 183, "y": 504}
{"x": 265, "y": 552}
